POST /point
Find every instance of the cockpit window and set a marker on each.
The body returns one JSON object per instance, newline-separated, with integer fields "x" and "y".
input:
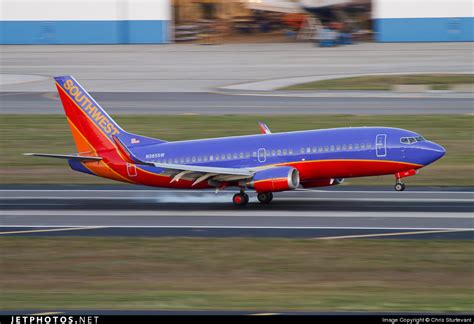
{"x": 412, "y": 140}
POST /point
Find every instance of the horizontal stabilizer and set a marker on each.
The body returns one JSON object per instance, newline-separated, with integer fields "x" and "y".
{"x": 65, "y": 156}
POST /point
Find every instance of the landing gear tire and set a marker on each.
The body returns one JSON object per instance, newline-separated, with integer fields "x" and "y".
{"x": 240, "y": 199}
{"x": 265, "y": 197}
{"x": 399, "y": 186}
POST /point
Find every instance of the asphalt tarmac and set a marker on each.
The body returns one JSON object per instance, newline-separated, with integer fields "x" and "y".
{"x": 206, "y": 103}
{"x": 322, "y": 214}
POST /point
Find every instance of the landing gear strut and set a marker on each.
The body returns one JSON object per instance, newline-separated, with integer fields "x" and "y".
{"x": 240, "y": 199}
{"x": 399, "y": 186}
{"x": 265, "y": 197}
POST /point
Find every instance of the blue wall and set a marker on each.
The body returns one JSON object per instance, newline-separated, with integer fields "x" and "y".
{"x": 425, "y": 29}
{"x": 84, "y": 32}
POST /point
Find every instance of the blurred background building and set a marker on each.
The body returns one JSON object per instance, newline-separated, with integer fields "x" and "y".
{"x": 217, "y": 21}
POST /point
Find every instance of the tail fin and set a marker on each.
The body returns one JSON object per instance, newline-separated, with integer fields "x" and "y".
{"x": 92, "y": 128}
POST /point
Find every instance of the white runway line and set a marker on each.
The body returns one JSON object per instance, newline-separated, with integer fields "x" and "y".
{"x": 249, "y": 227}
{"x": 235, "y": 213}
{"x": 49, "y": 230}
{"x": 388, "y": 234}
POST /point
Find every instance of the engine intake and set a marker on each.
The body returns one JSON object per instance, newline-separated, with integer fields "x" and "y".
{"x": 275, "y": 179}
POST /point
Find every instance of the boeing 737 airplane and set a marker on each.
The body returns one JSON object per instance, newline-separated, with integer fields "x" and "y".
{"x": 267, "y": 162}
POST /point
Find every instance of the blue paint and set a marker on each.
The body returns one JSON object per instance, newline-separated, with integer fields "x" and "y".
{"x": 84, "y": 32}
{"x": 78, "y": 166}
{"x": 425, "y": 29}
{"x": 355, "y": 143}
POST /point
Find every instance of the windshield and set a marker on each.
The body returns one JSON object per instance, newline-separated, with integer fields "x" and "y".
{"x": 412, "y": 139}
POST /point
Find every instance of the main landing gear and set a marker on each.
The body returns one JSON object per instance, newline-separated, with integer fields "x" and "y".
{"x": 240, "y": 199}
{"x": 265, "y": 197}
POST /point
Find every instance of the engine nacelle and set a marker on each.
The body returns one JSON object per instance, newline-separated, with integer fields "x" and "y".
{"x": 275, "y": 179}
{"x": 322, "y": 183}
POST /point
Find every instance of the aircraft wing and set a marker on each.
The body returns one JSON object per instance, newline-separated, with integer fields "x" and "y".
{"x": 264, "y": 129}
{"x": 198, "y": 173}
{"x": 204, "y": 169}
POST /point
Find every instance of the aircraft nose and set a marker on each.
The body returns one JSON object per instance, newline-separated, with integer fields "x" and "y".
{"x": 434, "y": 151}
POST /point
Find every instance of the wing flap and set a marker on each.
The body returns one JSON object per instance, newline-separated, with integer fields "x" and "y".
{"x": 204, "y": 169}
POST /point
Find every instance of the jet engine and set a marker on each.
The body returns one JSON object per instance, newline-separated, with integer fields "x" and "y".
{"x": 275, "y": 179}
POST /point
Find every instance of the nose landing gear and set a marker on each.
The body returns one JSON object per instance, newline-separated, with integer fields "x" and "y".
{"x": 240, "y": 199}
{"x": 399, "y": 186}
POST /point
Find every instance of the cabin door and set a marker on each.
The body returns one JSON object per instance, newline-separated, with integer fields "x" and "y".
{"x": 381, "y": 145}
{"x": 262, "y": 155}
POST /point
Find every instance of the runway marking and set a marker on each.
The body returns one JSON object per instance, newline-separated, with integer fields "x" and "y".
{"x": 47, "y": 313}
{"x": 460, "y": 229}
{"x": 265, "y": 314}
{"x": 49, "y": 230}
{"x": 236, "y": 213}
{"x": 388, "y": 234}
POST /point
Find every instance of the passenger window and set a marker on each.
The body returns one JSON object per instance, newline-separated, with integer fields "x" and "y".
{"x": 241, "y": 155}
{"x": 350, "y": 146}
{"x": 362, "y": 146}
{"x": 278, "y": 152}
{"x": 247, "y": 155}
{"x": 170, "y": 161}
{"x": 254, "y": 154}
{"x": 199, "y": 158}
{"x": 218, "y": 157}
{"x": 308, "y": 150}
{"x": 229, "y": 156}
{"x": 205, "y": 158}
{"x": 290, "y": 151}
{"x": 332, "y": 147}
{"x": 356, "y": 146}
{"x": 211, "y": 157}
{"x": 326, "y": 148}
{"x": 175, "y": 160}
{"x": 344, "y": 147}
{"x": 302, "y": 150}
{"x": 338, "y": 147}
{"x": 369, "y": 145}
{"x": 223, "y": 157}
{"x": 188, "y": 160}
{"x": 193, "y": 159}
{"x": 234, "y": 156}
{"x": 285, "y": 151}
{"x": 181, "y": 160}
{"x": 320, "y": 149}
{"x": 273, "y": 153}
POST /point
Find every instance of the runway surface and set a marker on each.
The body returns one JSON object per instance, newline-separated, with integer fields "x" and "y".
{"x": 175, "y": 103}
{"x": 197, "y": 68}
{"x": 325, "y": 214}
